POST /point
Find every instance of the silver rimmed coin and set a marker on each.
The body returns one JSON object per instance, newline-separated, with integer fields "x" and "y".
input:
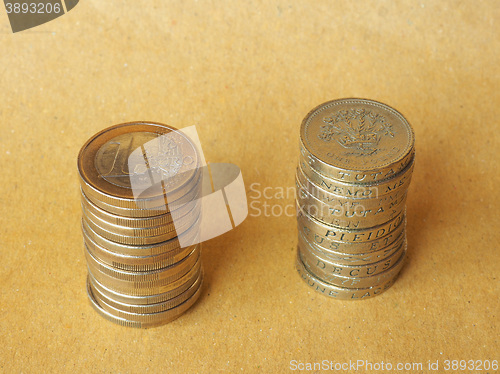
{"x": 163, "y": 248}
{"x": 166, "y": 219}
{"x": 148, "y": 308}
{"x": 140, "y": 320}
{"x": 140, "y": 187}
{"x": 175, "y": 289}
{"x": 340, "y": 293}
{"x": 356, "y": 140}
{"x": 136, "y": 165}
{"x": 149, "y": 209}
{"x": 160, "y": 276}
{"x": 135, "y": 263}
{"x": 144, "y": 288}
{"x": 137, "y": 236}
{"x": 142, "y": 231}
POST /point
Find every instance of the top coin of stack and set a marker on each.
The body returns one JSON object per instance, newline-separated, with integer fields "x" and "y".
{"x": 139, "y": 186}
{"x": 356, "y": 162}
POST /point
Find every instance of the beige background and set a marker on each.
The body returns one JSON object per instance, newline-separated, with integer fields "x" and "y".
{"x": 246, "y": 73}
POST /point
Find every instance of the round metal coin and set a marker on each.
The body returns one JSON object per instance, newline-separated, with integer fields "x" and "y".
{"x": 356, "y": 140}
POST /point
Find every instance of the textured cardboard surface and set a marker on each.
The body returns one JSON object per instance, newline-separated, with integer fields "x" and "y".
{"x": 246, "y": 73}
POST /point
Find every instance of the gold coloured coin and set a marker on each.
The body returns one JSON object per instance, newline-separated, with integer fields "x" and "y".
{"x": 356, "y": 140}
{"x": 340, "y": 293}
{"x": 350, "y": 213}
{"x": 349, "y": 259}
{"x": 345, "y": 235}
{"x": 354, "y": 276}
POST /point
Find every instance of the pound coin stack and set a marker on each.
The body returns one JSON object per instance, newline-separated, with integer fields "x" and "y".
{"x": 139, "y": 183}
{"x": 356, "y": 162}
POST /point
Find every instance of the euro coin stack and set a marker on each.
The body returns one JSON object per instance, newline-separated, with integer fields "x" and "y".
{"x": 138, "y": 184}
{"x": 355, "y": 166}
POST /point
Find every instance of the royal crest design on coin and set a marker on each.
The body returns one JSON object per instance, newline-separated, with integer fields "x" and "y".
{"x": 358, "y": 130}
{"x": 344, "y": 138}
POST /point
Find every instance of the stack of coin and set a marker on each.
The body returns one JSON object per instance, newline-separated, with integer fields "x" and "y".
{"x": 139, "y": 188}
{"x": 356, "y": 162}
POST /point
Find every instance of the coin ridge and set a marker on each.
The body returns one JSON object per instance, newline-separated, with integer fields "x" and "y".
{"x": 390, "y": 210}
{"x": 134, "y": 222}
{"x": 181, "y": 285}
{"x": 135, "y": 239}
{"x": 162, "y": 275}
{"x": 135, "y": 263}
{"x": 349, "y": 248}
{"x": 330, "y": 267}
{"x": 138, "y": 289}
{"x": 161, "y": 319}
{"x": 149, "y": 308}
{"x": 136, "y": 209}
{"x": 146, "y": 317}
{"x": 390, "y": 225}
{"x": 351, "y": 259}
{"x": 356, "y": 282}
{"x": 156, "y": 249}
{"x": 139, "y": 232}
{"x": 400, "y": 181}
{"x": 340, "y": 293}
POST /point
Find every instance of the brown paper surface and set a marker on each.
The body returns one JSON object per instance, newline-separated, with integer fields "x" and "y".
{"x": 246, "y": 73}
